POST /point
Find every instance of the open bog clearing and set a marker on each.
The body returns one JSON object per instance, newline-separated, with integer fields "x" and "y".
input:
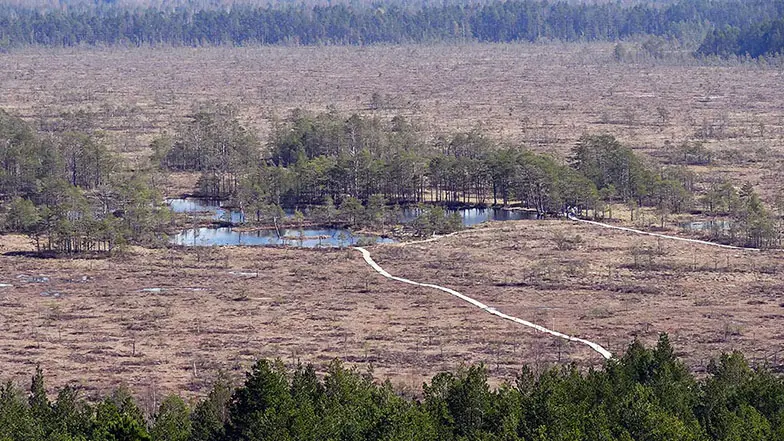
{"x": 543, "y": 95}
{"x": 171, "y": 319}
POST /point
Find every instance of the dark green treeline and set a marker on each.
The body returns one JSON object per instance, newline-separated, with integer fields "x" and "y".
{"x": 645, "y": 395}
{"x": 762, "y": 39}
{"x": 383, "y": 22}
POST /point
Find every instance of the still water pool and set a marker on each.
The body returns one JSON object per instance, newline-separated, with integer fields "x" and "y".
{"x": 308, "y": 238}
{"x": 318, "y": 237}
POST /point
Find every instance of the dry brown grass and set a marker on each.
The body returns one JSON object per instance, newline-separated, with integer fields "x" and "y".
{"x": 316, "y": 305}
{"x": 544, "y": 95}
{"x": 304, "y": 305}
{"x": 709, "y": 300}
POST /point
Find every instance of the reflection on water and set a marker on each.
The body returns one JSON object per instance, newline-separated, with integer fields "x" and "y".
{"x": 191, "y": 205}
{"x": 470, "y": 216}
{"x": 711, "y": 225}
{"x": 212, "y": 206}
{"x": 308, "y": 238}
{"x": 474, "y": 216}
{"x": 326, "y": 237}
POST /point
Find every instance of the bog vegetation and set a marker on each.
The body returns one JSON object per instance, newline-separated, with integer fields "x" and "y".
{"x": 70, "y": 194}
{"x": 67, "y": 191}
{"x": 645, "y": 395}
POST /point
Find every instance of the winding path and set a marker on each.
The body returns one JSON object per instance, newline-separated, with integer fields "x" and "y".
{"x": 366, "y": 254}
{"x": 604, "y": 352}
{"x": 663, "y": 236}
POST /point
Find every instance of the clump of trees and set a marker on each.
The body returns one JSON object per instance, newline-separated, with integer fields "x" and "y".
{"x": 345, "y": 170}
{"x": 310, "y": 158}
{"x": 749, "y": 222}
{"x": 622, "y": 175}
{"x": 647, "y": 394}
{"x": 66, "y": 191}
{"x": 435, "y": 220}
{"x": 214, "y": 143}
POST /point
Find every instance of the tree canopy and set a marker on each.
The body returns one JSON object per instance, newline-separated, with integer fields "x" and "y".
{"x": 762, "y": 39}
{"x": 67, "y": 192}
{"x": 646, "y": 394}
{"x": 376, "y": 22}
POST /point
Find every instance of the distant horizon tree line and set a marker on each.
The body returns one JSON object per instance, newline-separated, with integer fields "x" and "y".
{"x": 388, "y": 22}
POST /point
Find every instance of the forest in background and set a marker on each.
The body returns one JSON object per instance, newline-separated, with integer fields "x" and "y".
{"x": 218, "y": 4}
{"x": 763, "y": 39}
{"x": 647, "y": 394}
{"x": 686, "y": 21}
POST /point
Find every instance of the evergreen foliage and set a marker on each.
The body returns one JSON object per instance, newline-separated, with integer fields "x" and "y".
{"x": 384, "y": 22}
{"x": 67, "y": 193}
{"x": 763, "y": 39}
{"x": 647, "y": 394}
